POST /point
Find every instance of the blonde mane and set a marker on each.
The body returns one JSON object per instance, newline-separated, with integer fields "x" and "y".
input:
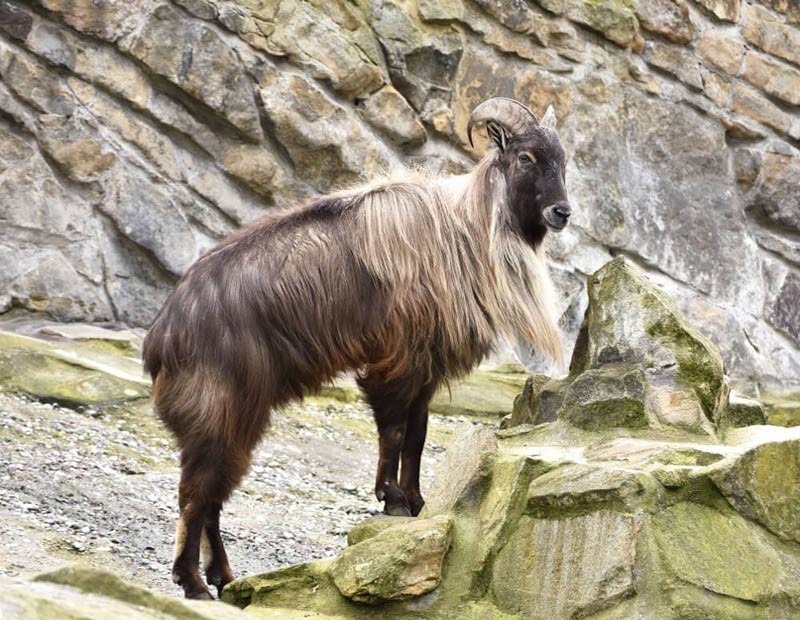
{"x": 446, "y": 250}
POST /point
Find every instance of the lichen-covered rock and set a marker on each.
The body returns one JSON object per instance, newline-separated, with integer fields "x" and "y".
{"x": 610, "y": 396}
{"x": 742, "y": 411}
{"x": 70, "y": 373}
{"x": 574, "y": 488}
{"x": 718, "y": 551}
{"x": 459, "y": 479}
{"x": 566, "y": 568}
{"x": 524, "y": 411}
{"x": 79, "y": 593}
{"x": 372, "y": 527}
{"x": 570, "y": 523}
{"x": 762, "y": 484}
{"x": 400, "y": 562}
{"x": 631, "y": 321}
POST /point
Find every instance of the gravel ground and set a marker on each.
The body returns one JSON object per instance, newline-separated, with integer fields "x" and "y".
{"x": 99, "y": 486}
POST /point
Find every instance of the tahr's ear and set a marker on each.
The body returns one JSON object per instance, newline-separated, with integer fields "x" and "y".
{"x": 499, "y": 134}
{"x": 549, "y": 120}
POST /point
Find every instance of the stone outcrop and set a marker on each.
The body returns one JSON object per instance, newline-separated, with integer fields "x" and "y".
{"x": 72, "y": 365}
{"x": 556, "y": 523}
{"x": 80, "y": 593}
{"x": 637, "y": 363}
{"x": 633, "y": 485}
{"x": 136, "y": 135}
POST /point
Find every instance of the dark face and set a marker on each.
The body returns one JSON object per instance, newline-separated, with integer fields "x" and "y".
{"x": 534, "y": 167}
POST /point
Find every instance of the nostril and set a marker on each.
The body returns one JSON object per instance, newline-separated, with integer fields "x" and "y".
{"x": 563, "y": 211}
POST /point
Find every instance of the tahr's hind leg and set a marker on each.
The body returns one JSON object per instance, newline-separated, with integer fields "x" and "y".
{"x": 212, "y": 551}
{"x": 411, "y": 454}
{"x": 187, "y": 542}
{"x": 209, "y": 473}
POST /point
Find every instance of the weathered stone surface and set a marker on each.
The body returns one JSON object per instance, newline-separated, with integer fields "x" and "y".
{"x": 669, "y": 18}
{"x": 677, "y": 61}
{"x": 775, "y": 194}
{"x": 172, "y": 91}
{"x": 373, "y": 526}
{"x": 106, "y": 19}
{"x": 422, "y": 60}
{"x": 784, "y": 311}
{"x": 787, "y": 7}
{"x": 94, "y": 594}
{"x": 332, "y": 41}
{"x": 762, "y": 484}
{"x": 773, "y": 77}
{"x": 615, "y": 20}
{"x": 525, "y": 411}
{"x": 324, "y": 140}
{"x": 627, "y": 192}
{"x": 743, "y": 411}
{"x": 69, "y": 373}
{"x": 574, "y": 488}
{"x": 196, "y": 59}
{"x": 595, "y": 554}
{"x": 716, "y": 87}
{"x": 763, "y": 29}
{"x": 612, "y": 396}
{"x": 390, "y": 113}
{"x": 751, "y": 103}
{"x": 401, "y": 562}
{"x": 459, "y": 480}
{"x": 631, "y": 321}
{"x": 722, "y": 51}
{"x": 485, "y": 392}
{"x": 14, "y": 21}
{"x": 82, "y": 157}
{"x": 727, "y": 10}
{"x": 169, "y": 236}
{"x": 572, "y": 524}
{"x": 720, "y": 552}
{"x": 25, "y": 600}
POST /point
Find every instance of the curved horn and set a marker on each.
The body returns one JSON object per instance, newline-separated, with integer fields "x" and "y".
{"x": 509, "y": 113}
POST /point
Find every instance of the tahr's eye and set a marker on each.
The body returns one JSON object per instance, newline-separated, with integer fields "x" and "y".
{"x": 527, "y": 157}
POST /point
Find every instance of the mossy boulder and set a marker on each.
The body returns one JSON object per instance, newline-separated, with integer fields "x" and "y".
{"x": 741, "y": 412}
{"x": 78, "y": 593}
{"x": 637, "y": 363}
{"x": 764, "y": 485}
{"x": 630, "y": 320}
{"x": 400, "y": 562}
{"x": 558, "y": 522}
{"x": 70, "y": 372}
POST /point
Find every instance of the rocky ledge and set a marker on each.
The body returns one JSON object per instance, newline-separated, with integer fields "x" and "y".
{"x": 634, "y": 488}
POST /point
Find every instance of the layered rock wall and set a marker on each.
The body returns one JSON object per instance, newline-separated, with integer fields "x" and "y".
{"x": 134, "y": 134}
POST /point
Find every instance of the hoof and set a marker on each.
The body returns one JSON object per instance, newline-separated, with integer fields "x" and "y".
{"x": 201, "y": 595}
{"x": 397, "y": 510}
{"x": 416, "y": 506}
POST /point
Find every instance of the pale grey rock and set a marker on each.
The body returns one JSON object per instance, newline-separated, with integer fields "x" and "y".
{"x": 196, "y": 59}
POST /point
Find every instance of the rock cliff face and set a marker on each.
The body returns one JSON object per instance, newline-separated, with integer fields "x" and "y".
{"x": 134, "y": 134}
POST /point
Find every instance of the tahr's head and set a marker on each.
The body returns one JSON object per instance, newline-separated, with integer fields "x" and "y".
{"x": 532, "y": 161}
